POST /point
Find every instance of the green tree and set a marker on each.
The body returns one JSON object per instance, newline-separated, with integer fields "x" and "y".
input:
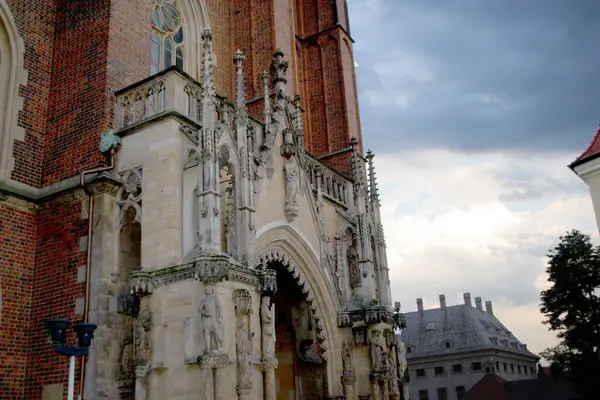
{"x": 571, "y": 309}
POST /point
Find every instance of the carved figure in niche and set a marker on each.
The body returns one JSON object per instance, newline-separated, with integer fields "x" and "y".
{"x": 127, "y": 356}
{"x": 347, "y": 358}
{"x": 141, "y": 341}
{"x": 212, "y": 321}
{"x": 379, "y": 354}
{"x": 230, "y": 220}
{"x": 244, "y": 352}
{"x": 305, "y": 354}
{"x": 267, "y": 317}
{"x": 292, "y": 186}
{"x": 352, "y": 258}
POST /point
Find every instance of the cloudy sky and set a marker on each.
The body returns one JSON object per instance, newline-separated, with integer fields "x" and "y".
{"x": 473, "y": 109}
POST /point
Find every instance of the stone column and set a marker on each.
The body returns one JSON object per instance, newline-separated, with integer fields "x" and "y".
{"x": 348, "y": 383}
{"x": 376, "y": 387}
{"x": 141, "y": 381}
{"x": 215, "y": 377}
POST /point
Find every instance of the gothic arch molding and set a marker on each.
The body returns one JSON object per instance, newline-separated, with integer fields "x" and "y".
{"x": 12, "y": 74}
{"x": 195, "y": 21}
{"x": 284, "y": 245}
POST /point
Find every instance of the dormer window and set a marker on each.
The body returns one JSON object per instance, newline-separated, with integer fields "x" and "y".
{"x": 448, "y": 344}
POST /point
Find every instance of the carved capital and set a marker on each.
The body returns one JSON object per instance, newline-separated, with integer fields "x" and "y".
{"x": 141, "y": 283}
{"x": 348, "y": 378}
{"x": 267, "y": 283}
{"x": 267, "y": 364}
{"x": 213, "y": 361}
{"x": 142, "y": 370}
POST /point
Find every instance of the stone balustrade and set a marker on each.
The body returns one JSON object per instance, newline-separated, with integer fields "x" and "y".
{"x": 334, "y": 185}
{"x": 168, "y": 91}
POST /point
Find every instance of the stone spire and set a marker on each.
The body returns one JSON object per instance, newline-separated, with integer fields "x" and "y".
{"x": 357, "y": 170}
{"x": 245, "y": 189}
{"x": 209, "y": 224}
{"x": 373, "y": 190}
{"x": 298, "y": 121}
{"x": 269, "y": 134}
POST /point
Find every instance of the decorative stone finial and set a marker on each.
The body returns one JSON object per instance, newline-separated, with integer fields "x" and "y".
{"x": 373, "y": 190}
{"x": 241, "y": 110}
{"x": 279, "y": 67}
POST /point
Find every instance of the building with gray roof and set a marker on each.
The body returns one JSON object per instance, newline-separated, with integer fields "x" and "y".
{"x": 450, "y": 348}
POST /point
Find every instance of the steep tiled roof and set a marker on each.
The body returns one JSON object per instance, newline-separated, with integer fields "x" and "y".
{"x": 457, "y": 329}
{"x": 592, "y": 151}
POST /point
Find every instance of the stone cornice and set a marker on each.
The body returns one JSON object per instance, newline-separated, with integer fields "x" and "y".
{"x": 66, "y": 193}
{"x": 181, "y": 272}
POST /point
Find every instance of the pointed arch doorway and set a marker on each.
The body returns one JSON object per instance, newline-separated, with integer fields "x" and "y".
{"x": 301, "y": 371}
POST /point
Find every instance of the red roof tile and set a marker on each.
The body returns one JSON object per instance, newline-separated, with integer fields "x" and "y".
{"x": 592, "y": 150}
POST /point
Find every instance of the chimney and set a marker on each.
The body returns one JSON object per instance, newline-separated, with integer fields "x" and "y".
{"x": 488, "y": 307}
{"x": 420, "y": 305}
{"x": 478, "y": 303}
{"x": 442, "y": 301}
{"x": 467, "y": 297}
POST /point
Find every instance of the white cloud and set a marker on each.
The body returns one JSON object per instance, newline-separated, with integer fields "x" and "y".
{"x": 451, "y": 227}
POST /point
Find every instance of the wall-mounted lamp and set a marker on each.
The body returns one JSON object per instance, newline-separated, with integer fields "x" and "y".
{"x": 57, "y": 329}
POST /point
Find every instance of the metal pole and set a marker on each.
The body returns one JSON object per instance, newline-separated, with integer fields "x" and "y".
{"x": 71, "y": 388}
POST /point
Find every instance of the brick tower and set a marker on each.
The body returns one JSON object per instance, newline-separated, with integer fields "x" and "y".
{"x": 165, "y": 167}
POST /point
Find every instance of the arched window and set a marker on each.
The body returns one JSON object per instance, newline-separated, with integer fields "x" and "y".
{"x": 12, "y": 75}
{"x": 167, "y": 36}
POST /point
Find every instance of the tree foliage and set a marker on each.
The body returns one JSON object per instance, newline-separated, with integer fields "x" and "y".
{"x": 571, "y": 306}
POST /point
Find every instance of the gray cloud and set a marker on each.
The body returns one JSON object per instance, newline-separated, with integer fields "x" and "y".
{"x": 477, "y": 75}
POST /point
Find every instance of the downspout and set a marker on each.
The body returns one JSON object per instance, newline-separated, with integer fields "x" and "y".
{"x": 88, "y": 262}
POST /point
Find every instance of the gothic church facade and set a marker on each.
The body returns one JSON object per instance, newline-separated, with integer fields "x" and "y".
{"x": 189, "y": 175}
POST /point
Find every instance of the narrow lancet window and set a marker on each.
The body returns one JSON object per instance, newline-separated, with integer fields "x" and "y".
{"x": 167, "y": 36}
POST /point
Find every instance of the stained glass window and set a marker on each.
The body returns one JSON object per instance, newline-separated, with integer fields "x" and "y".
{"x": 167, "y": 36}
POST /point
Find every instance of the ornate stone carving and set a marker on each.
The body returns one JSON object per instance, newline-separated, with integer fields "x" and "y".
{"x": 379, "y": 353}
{"x": 349, "y": 376}
{"x": 211, "y": 267}
{"x": 267, "y": 318}
{"x": 352, "y": 259}
{"x": 213, "y": 328}
{"x": 292, "y": 187}
{"x": 230, "y": 220}
{"x": 267, "y": 282}
{"x": 244, "y": 339}
{"x": 130, "y": 194}
{"x": 141, "y": 282}
{"x": 360, "y": 336}
{"x": 141, "y": 329}
{"x": 125, "y": 373}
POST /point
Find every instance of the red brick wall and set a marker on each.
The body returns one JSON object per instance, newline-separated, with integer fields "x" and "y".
{"x": 35, "y": 22}
{"x": 55, "y": 288}
{"x": 77, "y": 98}
{"x": 17, "y": 248}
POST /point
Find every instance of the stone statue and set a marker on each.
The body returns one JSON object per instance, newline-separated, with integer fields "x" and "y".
{"x": 347, "y": 357}
{"x": 378, "y": 351}
{"x": 267, "y": 317}
{"x": 141, "y": 327}
{"x": 401, "y": 354}
{"x": 212, "y": 321}
{"x": 244, "y": 352}
{"x": 292, "y": 186}
{"x": 352, "y": 257}
{"x": 230, "y": 219}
